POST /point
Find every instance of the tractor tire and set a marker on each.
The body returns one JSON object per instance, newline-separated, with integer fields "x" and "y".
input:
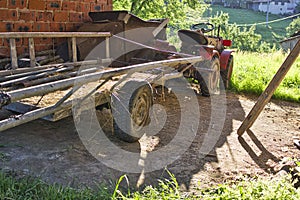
{"x": 226, "y": 74}
{"x": 131, "y": 110}
{"x": 212, "y": 79}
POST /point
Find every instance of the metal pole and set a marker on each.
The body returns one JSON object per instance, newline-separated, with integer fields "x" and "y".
{"x": 84, "y": 79}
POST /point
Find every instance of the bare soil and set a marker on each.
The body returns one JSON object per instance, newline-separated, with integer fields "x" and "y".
{"x": 54, "y": 152}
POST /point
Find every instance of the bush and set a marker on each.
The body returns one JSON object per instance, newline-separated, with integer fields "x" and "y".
{"x": 293, "y": 27}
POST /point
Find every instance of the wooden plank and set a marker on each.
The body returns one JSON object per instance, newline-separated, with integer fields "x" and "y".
{"x": 267, "y": 94}
{"x": 13, "y": 53}
{"x": 8, "y": 35}
{"x": 74, "y": 49}
{"x": 31, "y": 52}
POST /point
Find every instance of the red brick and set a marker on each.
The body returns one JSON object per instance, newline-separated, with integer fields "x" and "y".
{"x": 43, "y": 41}
{"x": 70, "y": 27}
{"x": 22, "y": 49}
{"x": 46, "y": 40}
{"x": 83, "y": 7}
{"x": 8, "y": 15}
{"x": 3, "y": 3}
{"x": 17, "y": 4}
{"x": 45, "y": 16}
{"x": 57, "y": 27}
{"x": 27, "y": 16}
{"x": 69, "y": 5}
{"x": 62, "y": 16}
{"x": 41, "y": 26}
{"x": 75, "y": 17}
{"x": 96, "y": 7}
{"x": 54, "y": 5}
{"x": 23, "y": 26}
{"x": 42, "y": 47}
{"x": 4, "y": 51}
{"x": 6, "y": 27}
{"x": 36, "y": 5}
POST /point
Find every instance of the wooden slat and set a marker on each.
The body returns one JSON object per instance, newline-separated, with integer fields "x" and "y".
{"x": 107, "y": 47}
{"x": 74, "y": 49}
{"x": 32, "y": 52}
{"x": 13, "y": 53}
{"x": 8, "y": 35}
{"x": 267, "y": 94}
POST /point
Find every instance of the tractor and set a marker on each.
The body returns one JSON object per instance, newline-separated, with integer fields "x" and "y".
{"x": 198, "y": 41}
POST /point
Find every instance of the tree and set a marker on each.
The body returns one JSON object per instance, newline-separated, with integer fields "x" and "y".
{"x": 175, "y": 10}
{"x": 293, "y": 27}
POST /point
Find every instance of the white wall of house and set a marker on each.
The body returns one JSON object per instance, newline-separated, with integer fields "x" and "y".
{"x": 277, "y": 7}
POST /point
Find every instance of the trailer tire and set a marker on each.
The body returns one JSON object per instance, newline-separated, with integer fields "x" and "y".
{"x": 131, "y": 110}
{"x": 226, "y": 74}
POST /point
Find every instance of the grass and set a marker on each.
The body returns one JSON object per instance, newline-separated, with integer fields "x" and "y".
{"x": 271, "y": 34}
{"x": 28, "y": 188}
{"x": 253, "y": 71}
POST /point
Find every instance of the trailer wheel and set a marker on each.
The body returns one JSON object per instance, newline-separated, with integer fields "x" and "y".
{"x": 130, "y": 109}
{"x": 226, "y": 74}
{"x": 213, "y": 78}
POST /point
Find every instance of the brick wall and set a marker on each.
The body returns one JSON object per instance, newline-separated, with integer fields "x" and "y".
{"x": 44, "y": 15}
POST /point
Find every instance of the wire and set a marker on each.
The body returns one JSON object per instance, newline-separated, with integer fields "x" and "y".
{"x": 273, "y": 21}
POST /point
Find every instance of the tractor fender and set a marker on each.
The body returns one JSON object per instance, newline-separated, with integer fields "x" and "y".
{"x": 224, "y": 58}
{"x": 215, "y": 54}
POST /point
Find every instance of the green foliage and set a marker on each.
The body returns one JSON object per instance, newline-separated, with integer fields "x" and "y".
{"x": 243, "y": 38}
{"x": 253, "y": 71}
{"x": 254, "y": 189}
{"x": 293, "y": 27}
{"x": 175, "y": 10}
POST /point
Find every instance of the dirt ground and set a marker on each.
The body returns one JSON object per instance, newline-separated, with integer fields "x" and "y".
{"x": 54, "y": 152}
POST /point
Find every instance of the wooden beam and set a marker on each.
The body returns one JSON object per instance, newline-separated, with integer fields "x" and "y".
{"x": 32, "y": 52}
{"x": 267, "y": 94}
{"x": 8, "y": 35}
{"x": 13, "y": 53}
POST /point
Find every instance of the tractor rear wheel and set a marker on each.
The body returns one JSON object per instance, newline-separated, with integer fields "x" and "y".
{"x": 212, "y": 78}
{"x": 130, "y": 109}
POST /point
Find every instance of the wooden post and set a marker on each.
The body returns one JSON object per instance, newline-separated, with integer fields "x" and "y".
{"x": 13, "y": 53}
{"x": 267, "y": 94}
{"x": 74, "y": 49}
{"x": 107, "y": 47}
{"x": 31, "y": 52}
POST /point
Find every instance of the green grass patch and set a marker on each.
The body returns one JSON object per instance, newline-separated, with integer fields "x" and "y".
{"x": 253, "y": 71}
{"x": 28, "y": 188}
{"x": 272, "y": 34}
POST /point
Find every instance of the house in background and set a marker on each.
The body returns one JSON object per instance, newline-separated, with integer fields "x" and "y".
{"x": 280, "y": 7}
